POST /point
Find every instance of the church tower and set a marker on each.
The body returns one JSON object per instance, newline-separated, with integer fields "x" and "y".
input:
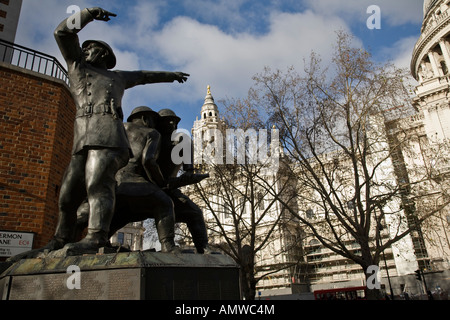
{"x": 430, "y": 66}
{"x": 209, "y": 116}
{"x": 208, "y": 132}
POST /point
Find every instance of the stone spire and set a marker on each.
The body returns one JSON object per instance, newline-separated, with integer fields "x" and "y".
{"x": 209, "y": 115}
{"x": 209, "y": 112}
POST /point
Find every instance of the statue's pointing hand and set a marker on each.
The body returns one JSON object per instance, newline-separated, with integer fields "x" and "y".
{"x": 181, "y": 77}
{"x": 101, "y": 14}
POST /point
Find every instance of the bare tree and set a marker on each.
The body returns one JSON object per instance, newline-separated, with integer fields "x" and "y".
{"x": 333, "y": 129}
{"x": 245, "y": 220}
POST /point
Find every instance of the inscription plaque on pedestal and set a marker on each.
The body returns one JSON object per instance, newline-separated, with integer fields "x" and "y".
{"x": 95, "y": 285}
{"x": 124, "y": 276}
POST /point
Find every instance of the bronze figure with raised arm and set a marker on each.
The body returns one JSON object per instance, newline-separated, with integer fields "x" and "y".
{"x": 100, "y": 146}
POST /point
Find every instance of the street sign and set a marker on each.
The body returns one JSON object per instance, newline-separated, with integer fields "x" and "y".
{"x": 13, "y": 242}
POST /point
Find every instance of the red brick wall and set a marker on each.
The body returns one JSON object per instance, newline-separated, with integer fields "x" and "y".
{"x": 36, "y": 132}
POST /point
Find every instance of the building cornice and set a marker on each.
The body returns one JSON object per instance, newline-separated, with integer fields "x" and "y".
{"x": 428, "y": 34}
{"x": 431, "y": 5}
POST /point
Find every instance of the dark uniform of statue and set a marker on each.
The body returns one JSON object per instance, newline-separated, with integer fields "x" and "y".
{"x": 100, "y": 146}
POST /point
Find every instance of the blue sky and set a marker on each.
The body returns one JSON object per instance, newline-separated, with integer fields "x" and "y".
{"x": 223, "y": 43}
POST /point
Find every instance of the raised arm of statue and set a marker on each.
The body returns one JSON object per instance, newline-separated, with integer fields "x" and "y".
{"x": 66, "y": 33}
{"x": 164, "y": 76}
{"x": 134, "y": 78}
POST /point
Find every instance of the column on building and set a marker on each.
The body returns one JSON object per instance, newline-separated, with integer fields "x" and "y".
{"x": 445, "y": 52}
{"x": 433, "y": 62}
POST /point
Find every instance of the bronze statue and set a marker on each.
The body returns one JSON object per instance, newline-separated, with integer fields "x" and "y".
{"x": 139, "y": 195}
{"x": 100, "y": 146}
{"x": 148, "y": 185}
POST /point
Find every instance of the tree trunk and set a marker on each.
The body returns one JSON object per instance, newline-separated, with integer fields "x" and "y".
{"x": 371, "y": 270}
{"x": 372, "y": 293}
{"x": 248, "y": 285}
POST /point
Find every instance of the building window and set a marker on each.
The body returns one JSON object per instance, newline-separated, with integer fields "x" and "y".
{"x": 351, "y": 204}
{"x": 261, "y": 201}
{"x": 120, "y": 237}
{"x": 129, "y": 239}
{"x": 226, "y": 211}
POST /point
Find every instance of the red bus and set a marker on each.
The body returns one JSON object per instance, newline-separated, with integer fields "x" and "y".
{"x": 352, "y": 293}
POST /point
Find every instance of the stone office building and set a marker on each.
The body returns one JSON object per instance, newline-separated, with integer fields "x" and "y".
{"x": 9, "y": 19}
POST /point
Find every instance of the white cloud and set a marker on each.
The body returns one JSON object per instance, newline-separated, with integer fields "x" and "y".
{"x": 127, "y": 60}
{"x": 145, "y": 14}
{"x": 401, "y": 52}
{"x": 38, "y": 20}
{"x": 218, "y": 11}
{"x": 400, "y": 55}
{"x": 394, "y": 12}
{"x": 228, "y": 62}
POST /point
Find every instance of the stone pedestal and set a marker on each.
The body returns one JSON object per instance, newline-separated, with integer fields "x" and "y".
{"x": 123, "y": 276}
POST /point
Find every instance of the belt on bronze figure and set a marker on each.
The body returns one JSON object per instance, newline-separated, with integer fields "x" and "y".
{"x": 88, "y": 110}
